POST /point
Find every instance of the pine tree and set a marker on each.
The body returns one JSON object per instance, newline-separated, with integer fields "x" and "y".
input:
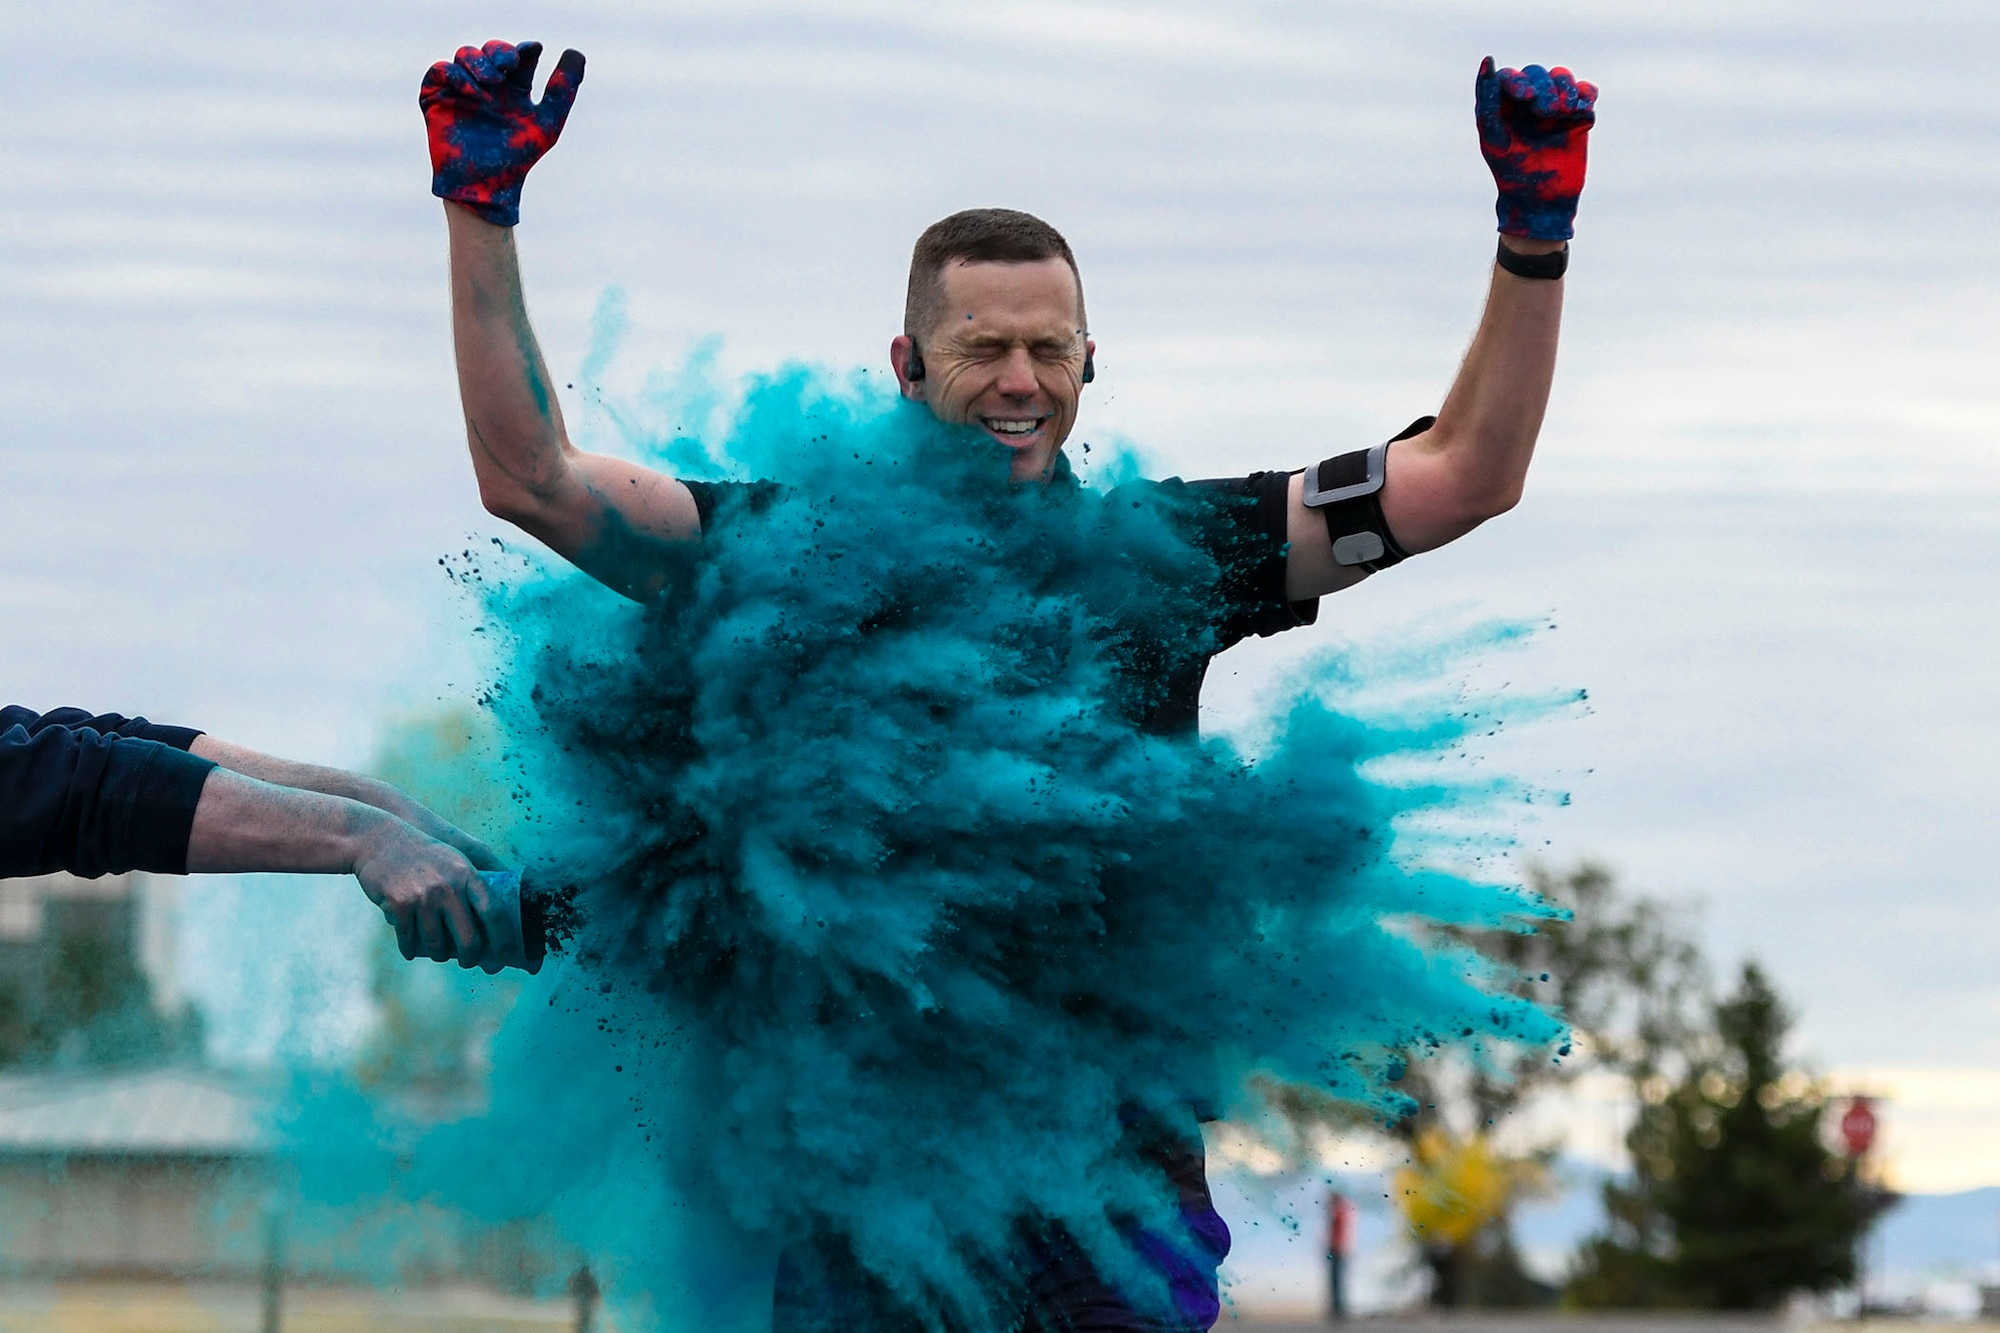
{"x": 1623, "y": 970}
{"x": 1737, "y": 1202}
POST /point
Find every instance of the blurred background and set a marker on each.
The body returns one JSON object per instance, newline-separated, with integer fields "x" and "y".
{"x": 1762, "y": 519}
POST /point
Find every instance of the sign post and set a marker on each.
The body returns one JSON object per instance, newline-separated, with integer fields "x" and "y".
{"x": 1340, "y": 1213}
{"x": 1857, "y": 1134}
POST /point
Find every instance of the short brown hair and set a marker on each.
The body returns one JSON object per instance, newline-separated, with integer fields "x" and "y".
{"x": 978, "y": 235}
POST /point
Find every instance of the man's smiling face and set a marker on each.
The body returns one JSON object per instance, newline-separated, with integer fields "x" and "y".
{"x": 1006, "y": 356}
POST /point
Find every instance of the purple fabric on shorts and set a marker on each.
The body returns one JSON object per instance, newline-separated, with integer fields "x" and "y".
{"x": 1069, "y": 1296}
{"x": 820, "y": 1290}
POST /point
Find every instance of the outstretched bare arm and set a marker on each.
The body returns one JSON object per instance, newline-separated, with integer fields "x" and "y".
{"x": 428, "y": 891}
{"x": 349, "y": 786}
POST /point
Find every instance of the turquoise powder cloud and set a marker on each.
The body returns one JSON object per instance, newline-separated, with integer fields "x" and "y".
{"x": 890, "y": 923}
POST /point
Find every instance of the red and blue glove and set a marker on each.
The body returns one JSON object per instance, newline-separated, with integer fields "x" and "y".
{"x": 485, "y": 127}
{"x": 1534, "y": 127}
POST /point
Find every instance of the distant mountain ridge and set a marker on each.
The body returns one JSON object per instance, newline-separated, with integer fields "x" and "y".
{"x": 1278, "y": 1240}
{"x": 1941, "y": 1235}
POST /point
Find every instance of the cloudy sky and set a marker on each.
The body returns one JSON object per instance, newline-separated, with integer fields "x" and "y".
{"x": 1765, "y": 512}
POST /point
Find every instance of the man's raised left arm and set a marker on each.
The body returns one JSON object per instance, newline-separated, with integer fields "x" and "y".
{"x": 1470, "y": 465}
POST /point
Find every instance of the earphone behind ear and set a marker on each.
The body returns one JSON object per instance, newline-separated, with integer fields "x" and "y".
{"x": 1089, "y": 367}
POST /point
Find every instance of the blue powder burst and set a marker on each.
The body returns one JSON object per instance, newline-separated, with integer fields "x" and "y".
{"x": 897, "y": 924}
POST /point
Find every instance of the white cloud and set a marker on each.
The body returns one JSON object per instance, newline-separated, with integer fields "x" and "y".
{"x": 1936, "y": 1124}
{"x": 1762, "y": 510}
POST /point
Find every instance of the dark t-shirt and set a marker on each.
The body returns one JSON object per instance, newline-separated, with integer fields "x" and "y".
{"x": 95, "y": 795}
{"x": 1239, "y": 522}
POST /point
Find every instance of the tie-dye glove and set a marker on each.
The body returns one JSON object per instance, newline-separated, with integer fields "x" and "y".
{"x": 485, "y": 127}
{"x": 1534, "y": 127}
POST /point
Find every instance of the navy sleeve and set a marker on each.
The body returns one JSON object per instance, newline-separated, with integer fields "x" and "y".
{"x": 93, "y": 802}
{"x": 1251, "y": 542}
{"x": 108, "y": 724}
{"x": 711, "y": 496}
{"x": 1250, "y": 538}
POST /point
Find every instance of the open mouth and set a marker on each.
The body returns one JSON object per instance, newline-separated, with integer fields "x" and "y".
{"x": 1015, "y": 431}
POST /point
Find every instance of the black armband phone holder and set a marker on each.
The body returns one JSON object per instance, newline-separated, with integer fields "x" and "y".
{"x": 1347, "y": 490}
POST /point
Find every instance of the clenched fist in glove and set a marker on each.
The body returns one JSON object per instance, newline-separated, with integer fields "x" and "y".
{"x": 485, "y": 127}
{"x": 1534, "y": 126}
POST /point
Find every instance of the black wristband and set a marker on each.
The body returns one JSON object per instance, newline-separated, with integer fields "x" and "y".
{"x": 1550, "y": 265}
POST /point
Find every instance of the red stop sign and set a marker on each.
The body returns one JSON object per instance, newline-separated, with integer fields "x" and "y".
{"x": 1857, "y": 1126}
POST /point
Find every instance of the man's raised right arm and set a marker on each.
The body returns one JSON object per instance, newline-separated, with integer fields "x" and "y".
{"x": 615, "y": 520}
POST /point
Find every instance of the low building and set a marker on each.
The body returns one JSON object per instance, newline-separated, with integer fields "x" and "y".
{"x": 134, "y": 1172}
{"x": 122, "y": 1157}
{"x": 173, "y": 1172}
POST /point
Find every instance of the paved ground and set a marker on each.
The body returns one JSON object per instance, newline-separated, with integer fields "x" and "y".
{"x": 1523, "y": 1323}
{"x": 1595, "y": 1323}
{"x": 27, "y": 1307}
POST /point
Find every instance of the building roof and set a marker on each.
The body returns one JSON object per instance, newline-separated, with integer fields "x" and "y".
{"x": 156, "y": 1112}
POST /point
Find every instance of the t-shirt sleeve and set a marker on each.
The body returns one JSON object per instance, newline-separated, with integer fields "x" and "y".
{"x": 1248, "y": 532}
{"x": 107, "y": 724}
{"x": 719, "y": 497}
{"x": 93, "y": 802}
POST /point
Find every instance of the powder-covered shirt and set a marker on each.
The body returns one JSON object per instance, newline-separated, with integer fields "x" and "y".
{"x": 1242, "y": 525}
{"x": 95, "y": 794}
{"x": 1240, "y": 522}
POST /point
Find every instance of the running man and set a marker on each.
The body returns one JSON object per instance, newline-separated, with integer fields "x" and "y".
{"x": 995, "y": 338}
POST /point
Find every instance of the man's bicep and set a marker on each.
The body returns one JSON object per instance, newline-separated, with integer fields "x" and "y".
{"x": 618, "y": 522}
{"x": 1310, "y": 569}
{"x": 1421, "y": 506}
{"x": 1424, "y": 494}
{"x": 652, "y": 504}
